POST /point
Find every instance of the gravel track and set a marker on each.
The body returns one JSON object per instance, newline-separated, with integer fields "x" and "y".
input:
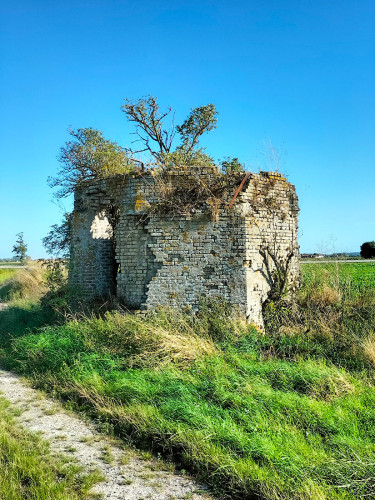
{"x": 127, "y": 474}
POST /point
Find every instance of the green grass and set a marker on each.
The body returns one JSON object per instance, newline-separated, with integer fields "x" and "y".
{"x": 28, "y": 471}
{"x": 284, "y": 415}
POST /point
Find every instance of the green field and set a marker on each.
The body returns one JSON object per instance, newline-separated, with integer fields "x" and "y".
{"x": 357, "y": 274}
{"x": 6, "y": 274}
{"x": 285, "y": 414}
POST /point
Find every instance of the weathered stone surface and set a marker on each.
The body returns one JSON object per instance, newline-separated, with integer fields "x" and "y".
{"x": 122, "y": 247}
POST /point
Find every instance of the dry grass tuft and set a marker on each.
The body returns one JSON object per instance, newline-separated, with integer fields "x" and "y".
{"x": 369, "y": 348}
{"x": 325, "y": 295}
{"x": 158, "y": 342}
{"x": 166, "y": 347}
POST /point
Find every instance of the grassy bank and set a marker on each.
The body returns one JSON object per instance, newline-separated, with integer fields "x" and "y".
{"x": 22, "y": 283}
{"x": 284, "y": 415}
{"x": 29, "y": 471}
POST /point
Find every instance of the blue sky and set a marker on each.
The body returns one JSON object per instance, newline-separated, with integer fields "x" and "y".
{"x": 298, "y": 74}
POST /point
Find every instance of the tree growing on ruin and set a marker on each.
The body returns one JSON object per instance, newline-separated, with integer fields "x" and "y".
{"x": 20, "y": 248}
{"x": 157, "y": 139}
{"x": 88, "y": 155}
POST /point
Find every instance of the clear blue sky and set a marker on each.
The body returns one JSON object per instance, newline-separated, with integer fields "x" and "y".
{"x": 300, "y": 74}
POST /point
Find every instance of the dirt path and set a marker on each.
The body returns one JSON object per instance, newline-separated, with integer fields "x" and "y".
{"x": 5, "y": 266}
{"x": 128, "y": 475}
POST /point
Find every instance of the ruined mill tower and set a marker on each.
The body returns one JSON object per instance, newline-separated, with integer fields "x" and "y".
{"x": 131, "y": 241}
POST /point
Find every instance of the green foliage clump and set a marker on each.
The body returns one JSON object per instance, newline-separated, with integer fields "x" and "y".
{"x": 88, "y": 156}
{"x": 231, "y": 165}
{"x": 58, "y": 240}
{"x": 56, "y": 280}
{"x": 368, "y": 250}
{"x": 181, "y": 157}
{"x": 200, "y": 120}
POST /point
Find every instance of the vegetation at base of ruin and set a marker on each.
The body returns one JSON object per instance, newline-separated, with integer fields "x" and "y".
{"x": 55, "y": 276}
{"x": 276, "y": 273}
{"x": 28, "y": 470}
{"x": 287, "y": 414}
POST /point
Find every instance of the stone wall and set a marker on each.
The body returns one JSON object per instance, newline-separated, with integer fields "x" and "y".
{"x": 122, "y": 246}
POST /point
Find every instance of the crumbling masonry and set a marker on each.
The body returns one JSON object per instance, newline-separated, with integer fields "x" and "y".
{"x": 123, "y": 247}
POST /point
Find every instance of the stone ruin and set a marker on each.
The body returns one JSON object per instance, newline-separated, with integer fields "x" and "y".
{"x": 126, "y": 245}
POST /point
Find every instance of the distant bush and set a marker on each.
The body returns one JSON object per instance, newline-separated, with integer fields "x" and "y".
{"x": 56, "y": 280}
{"x": 368, "y": 249}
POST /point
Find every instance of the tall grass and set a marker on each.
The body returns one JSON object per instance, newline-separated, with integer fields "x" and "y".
{"x": 334, "y": 317}
{"x": 29, "y": 471}
{"x": 23, "y": 291}
{"x": 22, "y": 283}
{"x": 288, "y": 414}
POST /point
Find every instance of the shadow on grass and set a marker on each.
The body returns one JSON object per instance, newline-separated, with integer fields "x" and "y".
{"x": 5, "y": 290}
{"x": 20, "y": 319}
